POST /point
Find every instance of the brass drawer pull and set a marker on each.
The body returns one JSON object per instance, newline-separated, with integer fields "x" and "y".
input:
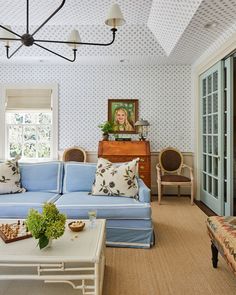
{"x": 141, "y": 167}
{"x": 142, "y": 176}
{"x": 141, "y": 160}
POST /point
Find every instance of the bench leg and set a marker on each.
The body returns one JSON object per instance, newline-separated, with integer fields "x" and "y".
{"x": 214, "y": 252}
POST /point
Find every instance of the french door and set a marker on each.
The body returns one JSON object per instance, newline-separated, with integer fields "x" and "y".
{"x": 228, "y": 136}
{"x": 216, "y": 114}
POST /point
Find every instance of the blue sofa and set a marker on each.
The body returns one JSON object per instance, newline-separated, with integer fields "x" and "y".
{"x": 68, "y": 185}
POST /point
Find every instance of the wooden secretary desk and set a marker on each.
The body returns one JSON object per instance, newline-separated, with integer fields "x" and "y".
{"x": 124, "y": 151}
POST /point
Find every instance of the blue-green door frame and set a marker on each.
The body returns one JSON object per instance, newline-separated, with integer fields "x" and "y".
{"x": 212, "y": 139}
{"x": 222, "y": 203}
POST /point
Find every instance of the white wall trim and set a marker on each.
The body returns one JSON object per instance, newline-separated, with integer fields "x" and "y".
{"x": 54, "y": 88}
{"x": 2, "y": 123}
{"x": 205, "y": 62}
{"x": 208, "y": 60}
{"x": 94, "y": 153}
{"x": 183, "y": 153}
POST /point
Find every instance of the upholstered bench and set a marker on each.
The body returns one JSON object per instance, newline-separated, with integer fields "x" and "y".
{"x": 222, "y": 231}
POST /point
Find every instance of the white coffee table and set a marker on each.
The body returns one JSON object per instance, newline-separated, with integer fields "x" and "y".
{"x": 75, "y": 258}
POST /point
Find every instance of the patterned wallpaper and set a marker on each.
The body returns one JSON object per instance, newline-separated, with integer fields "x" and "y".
{"x": 163, "y": 91}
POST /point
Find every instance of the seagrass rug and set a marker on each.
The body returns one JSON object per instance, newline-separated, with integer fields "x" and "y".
{"x": 179, "y": 263}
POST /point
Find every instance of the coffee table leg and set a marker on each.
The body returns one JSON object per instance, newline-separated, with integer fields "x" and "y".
{"x": 99, "y": 275}
{"x": 97, "y": 279}
{"x": 214, "y": 252}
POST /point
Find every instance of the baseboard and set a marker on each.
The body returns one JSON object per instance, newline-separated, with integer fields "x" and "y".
{"x": 204, "y": 208}
{"x": 171, "y": 190}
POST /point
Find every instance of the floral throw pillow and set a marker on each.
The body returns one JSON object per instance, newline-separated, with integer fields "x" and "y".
{"x": 116, "y": 180}
{"x": 10, "y": 178}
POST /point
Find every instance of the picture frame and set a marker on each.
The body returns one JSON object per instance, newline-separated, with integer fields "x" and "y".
{"x": 123, "y": 113}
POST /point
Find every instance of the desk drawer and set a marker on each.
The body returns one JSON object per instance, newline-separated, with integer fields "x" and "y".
{"x": 119, "y": 159}
{"x": 145, "y": 176}
{"x": 144, "y": 167}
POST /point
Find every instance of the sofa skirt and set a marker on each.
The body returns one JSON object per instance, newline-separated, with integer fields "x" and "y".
{"x": 129, "y": 237}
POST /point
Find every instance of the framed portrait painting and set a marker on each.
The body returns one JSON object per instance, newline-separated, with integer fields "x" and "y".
{"x": 123, "y": 113}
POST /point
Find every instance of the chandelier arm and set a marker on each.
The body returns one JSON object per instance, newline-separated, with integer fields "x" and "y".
{"x": 10, "y": 39}
{"x": 81, "y": 43}
{"x": 60, "y": 7}
{"x": 10, "y": 31}
{"x": 66, "y": 58}
{"x": 13, "y": 53}
{"x": 27, "y": 16}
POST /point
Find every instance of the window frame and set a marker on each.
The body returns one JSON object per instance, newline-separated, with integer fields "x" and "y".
{"x": 23, "y": 125}
{"x": 54, "y": 102}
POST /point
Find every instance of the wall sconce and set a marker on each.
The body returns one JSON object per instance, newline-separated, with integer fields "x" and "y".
{"x": 142, "y": 126}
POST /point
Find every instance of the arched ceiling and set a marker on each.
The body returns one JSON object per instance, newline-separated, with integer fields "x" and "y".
{"x": 156, "y": 32}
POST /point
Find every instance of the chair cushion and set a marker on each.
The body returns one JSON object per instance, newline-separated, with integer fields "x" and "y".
{"x": 170, "y": 159}
{"x": 74, "y": 154}
{"x": 113, "y": 180}
{"x": 175, "y": 178}
{"x": 77, "y": 205}
{"x": 10, "y": 178}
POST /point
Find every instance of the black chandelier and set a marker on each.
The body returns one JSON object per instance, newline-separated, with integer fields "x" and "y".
{"x": 114, "y": 19}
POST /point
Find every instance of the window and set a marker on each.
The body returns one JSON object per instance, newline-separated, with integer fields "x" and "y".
{"x": 29, "y": 126}
{"x": 29, "y": 135}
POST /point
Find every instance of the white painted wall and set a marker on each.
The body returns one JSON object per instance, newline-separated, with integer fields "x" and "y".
{"x": 163, "y": 91}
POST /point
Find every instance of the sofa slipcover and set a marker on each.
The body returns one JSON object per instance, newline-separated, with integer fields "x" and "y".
{"x": 69, "y": 186}
{"x": 17, "y": 205}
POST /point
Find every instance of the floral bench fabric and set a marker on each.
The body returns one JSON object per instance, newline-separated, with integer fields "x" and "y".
{"x": 222, "y": 231}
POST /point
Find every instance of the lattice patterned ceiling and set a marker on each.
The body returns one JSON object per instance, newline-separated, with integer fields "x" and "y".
{"x": 168, "y": 19}
{"x": 158, "y": 31}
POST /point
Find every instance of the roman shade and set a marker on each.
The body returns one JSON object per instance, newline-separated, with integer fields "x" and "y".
{"x": 28, "y": 99}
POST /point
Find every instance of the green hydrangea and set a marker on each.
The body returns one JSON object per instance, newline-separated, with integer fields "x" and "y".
{"x": 50, "y": 224}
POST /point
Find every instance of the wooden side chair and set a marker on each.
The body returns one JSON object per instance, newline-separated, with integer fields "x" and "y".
{"x": 76, "y": 154}
{"x": 169, "y": 171}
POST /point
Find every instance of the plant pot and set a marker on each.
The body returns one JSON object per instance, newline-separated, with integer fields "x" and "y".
{"x": 105, "y": 137}
{"x": 42, "y": 243}
{"x": 49, "y": 245}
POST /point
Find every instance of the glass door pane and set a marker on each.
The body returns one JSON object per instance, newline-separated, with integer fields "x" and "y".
{"x": 211, "y": 135}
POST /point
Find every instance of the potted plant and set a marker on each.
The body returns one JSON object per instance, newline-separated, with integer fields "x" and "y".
{"x": 45, "y": 226}
{"x": 106, "y": 128}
